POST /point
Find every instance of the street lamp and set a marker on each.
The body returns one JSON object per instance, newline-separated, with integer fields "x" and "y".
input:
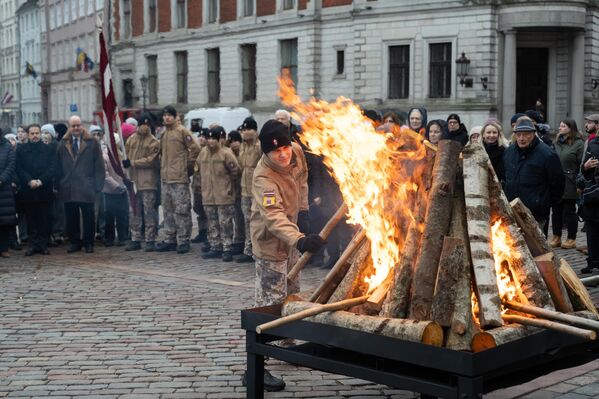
{"x": 144, "y": 88}
{"x": 463, "y": 67}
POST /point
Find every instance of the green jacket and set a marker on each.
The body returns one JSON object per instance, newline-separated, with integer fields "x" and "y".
{"x": 570, "y": 155}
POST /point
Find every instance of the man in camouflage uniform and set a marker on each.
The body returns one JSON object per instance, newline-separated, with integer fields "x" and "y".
{"x": 143, "y": 150}
{"x": 218, "y": 168}
{"x": 198, "y": 208}
{"x": 178, "y": 151}
{"x": 234, "y": 143}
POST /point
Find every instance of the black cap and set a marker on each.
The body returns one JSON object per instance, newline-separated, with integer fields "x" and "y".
{"x": 145, "y": 119}
{"x": 516, "y": 116}
{"x": 249, "y": 123}
{"x": 454, "y": 117}
{"x": 169, "y": 109}
{"x": 373, "y": 115}
{"x": 524, "y": 125}
{"x": 274, "y": 135}
{"x": 204, "y": 132}
{"x": 534, "y": 115}
{"x": 214, "y": 133}
{"x": 234, "y": 135}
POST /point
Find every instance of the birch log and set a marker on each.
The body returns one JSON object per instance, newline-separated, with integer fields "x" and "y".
{"x": 451, "y": 266}
{"x": 478, "y": 217}
{"x": 436, "y": 226}
{"x": 533, "y": 235}
{"x": 523, "y": 266}
{"x": 360, "y": 265}
{"x": 490, "y": 339}
{"x": 550, "y": 272}
{"x": 581, "y": 300}
{"x": 426, "y": 332}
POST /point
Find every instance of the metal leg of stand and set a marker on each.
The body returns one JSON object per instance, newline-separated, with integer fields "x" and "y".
{"x": 470, "y": 388}
{"x": 255, "y": 369}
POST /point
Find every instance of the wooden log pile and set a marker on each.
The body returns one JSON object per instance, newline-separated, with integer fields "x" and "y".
{"x": 449, "y": 286}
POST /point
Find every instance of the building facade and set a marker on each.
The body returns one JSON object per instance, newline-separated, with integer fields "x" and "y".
{"x": 9, "y": 65}
{"x": 384, "y": 54}
{"x": 30, "y": 26}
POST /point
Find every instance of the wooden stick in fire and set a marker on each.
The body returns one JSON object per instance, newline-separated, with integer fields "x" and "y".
{"x": 552, "y": 325}
{"x": 329, "y": 307}
{"x": 324, "y": 234}
{"x": 553, "y": 315}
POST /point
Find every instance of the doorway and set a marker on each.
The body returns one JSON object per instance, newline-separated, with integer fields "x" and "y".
{"x": 531, "y": 78}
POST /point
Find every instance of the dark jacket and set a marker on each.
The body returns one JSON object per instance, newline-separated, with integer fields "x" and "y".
{"x": 570, "y": 155}
{"x": 590, "y": 177}
{"x": 495, "y": 152}
{"x": 533, "y": 174}
{"x": 81, "y": 175}
{"x": 460, "y": 135}
{"x": 36, "y": 161}
{"x": 8, "y": 212}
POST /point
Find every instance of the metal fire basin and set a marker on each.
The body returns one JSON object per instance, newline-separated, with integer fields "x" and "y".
{"x": 429, "y": 370}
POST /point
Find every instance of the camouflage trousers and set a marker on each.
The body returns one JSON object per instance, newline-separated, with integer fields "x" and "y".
{"x": 238, "y": 224}
{"x": 272, "y": 285}
{"x": 198, "y": 208}
{"x": 176, "y": 207}
{"x": 220, "y": 226}
{"x": 146, "y": 215}
{"x": 246, "y": 208}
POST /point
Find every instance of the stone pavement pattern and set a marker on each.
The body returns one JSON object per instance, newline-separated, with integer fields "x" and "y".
{"x": 118, "y": 324}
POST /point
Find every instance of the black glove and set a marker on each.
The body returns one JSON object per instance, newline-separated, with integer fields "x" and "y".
{"x": 311, "y": 243}
{"x": 303, "y": 222}
{"x": 126, "y": 163}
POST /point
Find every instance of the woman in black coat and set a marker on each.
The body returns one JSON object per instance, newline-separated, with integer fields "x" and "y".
{"x": 8, "y": 212}
{"x": 495, "y": 143}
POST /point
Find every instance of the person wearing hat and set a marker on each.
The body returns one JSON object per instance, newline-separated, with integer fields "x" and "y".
{"x": 198, "y": 208}
{"x": 249, "y": 155}
{"x": 218, "y": 169}
{"x": 456, "y": 130}
{"x": 591, "y": 125}
{"x": 8, "y": 212}
{"x": 143, "y": 150}
{"x": 178, "y": 152}
{"x": 417, "y": 120}
{"x": 533, "y": 172}
{"x": 234, "y": 143}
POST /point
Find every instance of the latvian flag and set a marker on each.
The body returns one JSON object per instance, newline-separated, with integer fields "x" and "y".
{"x": 6, "y": 98}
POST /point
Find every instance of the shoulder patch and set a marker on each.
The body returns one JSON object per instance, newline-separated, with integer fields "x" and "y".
{"x": 268, "y": 198}
{"x": 188, "y": 137}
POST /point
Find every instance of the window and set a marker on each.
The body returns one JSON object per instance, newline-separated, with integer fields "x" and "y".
{"x": 81, "y": 8}
{"x": 128, "y": 92}
{"x": 126, "y": 19}
{"x": 99, "y": 5}
{"x": 288, "y": 4}
{"x": 340, "y": 62}
{"x": 153, "y": 79}
{"x": 248, "y": 8}
{"x": 248, "y": 71}
{"x": 213, "y": 75}
{"x": 73, "y": 10}
{"x": 440, "y": 70}
{"x": 212, "y": 11}
{"x": 152, "y": 15}
{"x": 399, "y": 71}
{"x": 289, "y": 58}
{"x": 90, "y": 7}
{"x": 181, "y": 64}
{"x": 181, "y": 13}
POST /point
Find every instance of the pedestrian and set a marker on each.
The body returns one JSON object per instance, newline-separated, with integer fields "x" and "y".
{"x": 284, "y": 117}
{"x": 8, "y": 211}
{"x": 116, "y": 205}
{"x": 591, "y": 125}
{"x": 590, "y": 206}
{"x": 81, "y": 178}
{"x": 218, "y": 169}
{"x": 533, "y": 173}
{"x": 234, "y": 144}
{"x": 198, "y": 208}
{"x": 393, "y": 120}
{"x": 36, "y": 169}
{"x": 22, "y": 135}
{"x": 100, "y": 203}
{"x": 495, "y": 144}
{"x": 456, "y": 130}
{"x": 178, "y": 152}
{"x": 374, "y": 117}
{"x": 143, "y": 151}
{"x": 56, "y": 217}
{"x": 434, "y": 130}
{"x": 417, "y": 120}
{"x": 474, "y": 135}
{"x": 23, "y": 236}
{"x": 249, "y": 155}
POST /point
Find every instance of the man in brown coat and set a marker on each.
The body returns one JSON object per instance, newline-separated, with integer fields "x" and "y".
{"x": 218, "y": 169}
{"x": 178, "y": 152}
{"x": 143, "y": 150}
{"x": 81, "y": 177}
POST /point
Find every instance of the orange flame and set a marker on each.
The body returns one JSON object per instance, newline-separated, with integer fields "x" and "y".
{"x": 504, "y": 254}
{"x": 378, "y": 173}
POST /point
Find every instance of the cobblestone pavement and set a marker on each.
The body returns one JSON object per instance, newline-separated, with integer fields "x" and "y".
{"x": 118, "y": 324}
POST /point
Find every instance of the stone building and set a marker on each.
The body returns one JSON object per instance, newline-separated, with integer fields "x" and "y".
{"x": 9, "y": 64}
{"x": 30, "y": 65}
{"x": 384, "y": 54}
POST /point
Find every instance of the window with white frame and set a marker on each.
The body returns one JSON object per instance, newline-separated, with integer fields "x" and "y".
{"x": 181, "y": 13}
{"x": 82, "y": 8}
{"x": 99, "y": 5}
{"x": 90, "y": 7}
{"x": 126, "y": 19}
{"x": 212, "y": 11}
{"x": 289, "y": 58}
{"x": 73, "y": 10}
{"x": 248, "y": 71}
{"x": 152, "y": 15}
{"x": 248, "y": 8}
{"x": 213, "y": 56}
{"x": 182, "y": 69}
{"x": 440, "y": 70}
{"x": 288, "y": 4}
{"x": 152, "y": 61}
{"x": 399, "y": 72}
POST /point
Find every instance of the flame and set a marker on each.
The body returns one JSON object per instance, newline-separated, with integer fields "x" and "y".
{"x": 378, "y": 172}
{"x": 504, "y": 254}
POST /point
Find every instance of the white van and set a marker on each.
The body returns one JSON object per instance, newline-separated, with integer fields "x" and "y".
{"x": 228, "y": 117}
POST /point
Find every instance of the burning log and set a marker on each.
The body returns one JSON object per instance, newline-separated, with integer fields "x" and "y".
{"x": 324, "y": 234}
{"x": 550, "y": 272}
{"x": 552, "y": 315}
{"x": 478, "y": 216}
{"x": 522, "y": 265}
{"x": 359, "y": 265}
{"x": 426, "y": 332}
{"x": 375, "y": 301}
{"x": 498, "y": 336}
{"x": 533, "y": 235}
{"x": 436, "y": 226}
{"x": 581, "y": 300}
{"x": 579, "y": 332}
{"x": 451, "y": 266}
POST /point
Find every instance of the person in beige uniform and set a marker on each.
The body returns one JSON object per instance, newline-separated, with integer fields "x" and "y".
{"x": 279, "y": 192}
{"x": 178, "y": 152}
{"x": 143, "y": 150}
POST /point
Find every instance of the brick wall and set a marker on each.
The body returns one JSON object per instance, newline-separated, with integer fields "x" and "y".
{"x": 266, "y": 7}
{"x": 194, "y": 13}
{"x": 164, "y": 15}
{"x": 137, "y": 17}
{"x": 117, "y": 19}
{"x": 335, "y": 3}
{"x": 228, "y": 10}
{"x": 302, "y": 4}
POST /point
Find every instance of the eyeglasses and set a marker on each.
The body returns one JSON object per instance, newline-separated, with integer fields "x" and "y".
{"x": 452, "y": 122}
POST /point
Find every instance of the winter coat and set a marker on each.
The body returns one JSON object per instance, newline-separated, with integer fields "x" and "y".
{"x": 533, "y": 174}
{"x": 322, "y": 185}
{"x": 279, "y": 195}
{"x": 8, "y": 211}
{"x": 218, "y": 170}
{"x": 570, "y": 155}
{"x": 178, "y": 152}
{"x": 591, "y": 176}
{"x": 36, "y": 161}
{"x": 113, "y": 183}
{"x": 460, "y": 135}
{"x": 249, "y": 155}
{"x": 81, "y": 176}
{"x": 495, "y": 152}
{"x": 143, "y": 153}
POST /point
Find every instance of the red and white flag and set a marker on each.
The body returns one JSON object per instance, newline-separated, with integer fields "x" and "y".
{"x": 6, "y": 98}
